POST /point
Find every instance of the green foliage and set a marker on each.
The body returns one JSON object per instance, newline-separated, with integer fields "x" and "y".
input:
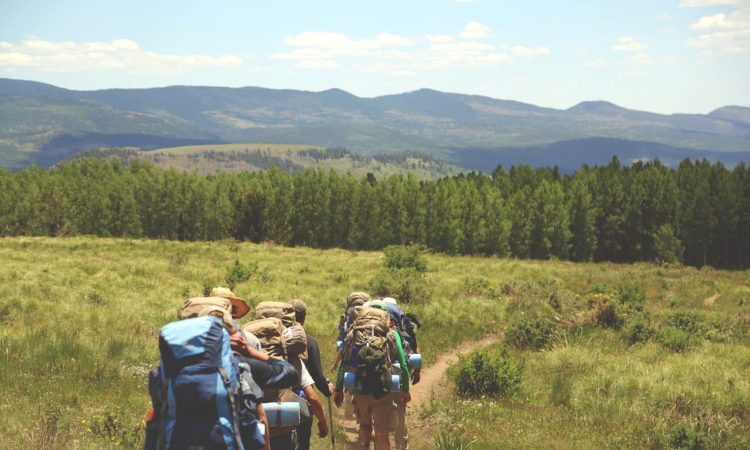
{"x": 536, "y": 334}
{"x": 682, "y": 437}
{"x": 676, "y": 339}
{"x": 639, "y": 331}
{"x": 405, "y": 257}
{"x": 407, "y": 285}
{"x": 239, "y": 273}
{"x": 447, "y": 440}
{"x": 692, "y": 322}
{"x": 667, "y": 246}
{"x": 487, "y": 373}
{"x": 632, "y": 296}
{"x": 111, "y": 427}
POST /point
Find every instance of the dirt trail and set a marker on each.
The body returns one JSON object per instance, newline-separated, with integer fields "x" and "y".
{"x": 433, "y": 383}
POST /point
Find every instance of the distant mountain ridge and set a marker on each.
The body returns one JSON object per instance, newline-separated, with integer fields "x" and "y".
{"x": 41, "y": 123}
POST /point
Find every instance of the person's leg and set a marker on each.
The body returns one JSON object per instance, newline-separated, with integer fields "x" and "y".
{"x": 382, "y": 442}
{"x": 401, "y": 433}
{"x": 304, "y": 431}
{"x": 384, "y": 421}
{"x": 365, "y": 432}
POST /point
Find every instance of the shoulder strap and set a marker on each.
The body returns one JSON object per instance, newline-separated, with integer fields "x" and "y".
{"x": 232, "y": 407}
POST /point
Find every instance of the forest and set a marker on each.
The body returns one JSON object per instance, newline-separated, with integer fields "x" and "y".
{"x": 697, "y": 214}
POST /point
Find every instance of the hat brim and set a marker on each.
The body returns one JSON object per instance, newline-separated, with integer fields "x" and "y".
{"x": 239, "y": 307}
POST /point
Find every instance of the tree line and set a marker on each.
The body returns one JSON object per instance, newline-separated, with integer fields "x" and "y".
{"x": 698, "y": 213}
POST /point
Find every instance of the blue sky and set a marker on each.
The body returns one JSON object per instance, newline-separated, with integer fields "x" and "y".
{"x": 663, "y": 56}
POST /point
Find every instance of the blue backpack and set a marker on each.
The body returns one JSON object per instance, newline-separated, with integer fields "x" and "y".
{"x": 200, "y": 386}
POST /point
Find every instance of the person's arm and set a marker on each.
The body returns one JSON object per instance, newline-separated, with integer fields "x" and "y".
{"x": 315, "y": 367}
{"x": 317, "y": 410}
{"x": 273, "y": 374}
{"x": 416, "y": 373}
{"x": 264, "y": 420}
{"x": 240, "y": 345}
{"x": 339, "y": 354}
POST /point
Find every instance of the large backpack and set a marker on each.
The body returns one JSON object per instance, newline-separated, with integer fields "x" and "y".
{"x": 353, "y": 300}
{"x": 280, "y": 310}
{"x": 368, "y": 351}
{"x": 270, "y": 331}
{"x": 406, "y": 325}
{"x": 200, "y": 386}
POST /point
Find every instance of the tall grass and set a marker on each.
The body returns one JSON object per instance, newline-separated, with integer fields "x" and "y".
{"x": 79, "y": 321}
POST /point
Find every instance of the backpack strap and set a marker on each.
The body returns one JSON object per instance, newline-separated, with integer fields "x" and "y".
{"x": 161, "y": 436}
{"x": 232, "y": 407}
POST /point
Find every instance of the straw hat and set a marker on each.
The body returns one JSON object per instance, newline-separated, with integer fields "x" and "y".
{"x": 239, "y": 307}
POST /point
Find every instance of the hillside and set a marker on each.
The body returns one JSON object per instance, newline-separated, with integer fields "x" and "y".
{"x": 233, "y": 158}
{"x": 43, "y": 124}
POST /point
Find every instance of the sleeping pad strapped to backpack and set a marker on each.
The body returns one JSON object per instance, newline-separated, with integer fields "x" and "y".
{"x": 202, "y": 404}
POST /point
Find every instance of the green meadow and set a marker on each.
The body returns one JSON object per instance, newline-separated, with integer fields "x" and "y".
{"x": 612, "y": 356}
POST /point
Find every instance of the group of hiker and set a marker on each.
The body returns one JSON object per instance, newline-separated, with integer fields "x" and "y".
{"x": 220, "y": 385}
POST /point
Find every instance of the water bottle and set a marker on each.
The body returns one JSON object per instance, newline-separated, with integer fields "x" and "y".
{"x": 415, "y": 361}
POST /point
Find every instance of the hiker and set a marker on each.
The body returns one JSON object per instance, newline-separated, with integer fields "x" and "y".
{"x": 352, "y": 301}
{"x": 314, "y": 367}
{"x": 191, "y": 387}
{"x": 282, "y": 337}
{"x": 370, "y": 347}
{"x": 406, "y": 326}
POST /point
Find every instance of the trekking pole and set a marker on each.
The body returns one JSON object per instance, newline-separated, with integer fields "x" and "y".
{"x": 330, "y": 419}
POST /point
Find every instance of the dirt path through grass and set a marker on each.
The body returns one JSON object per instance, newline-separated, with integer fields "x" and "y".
{"x": 434, "y": 382}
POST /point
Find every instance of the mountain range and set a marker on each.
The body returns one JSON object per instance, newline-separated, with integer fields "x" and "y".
{"x": 44, "y": 124}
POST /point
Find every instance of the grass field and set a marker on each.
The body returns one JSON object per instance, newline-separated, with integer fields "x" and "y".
{"x": 637, "y": 356}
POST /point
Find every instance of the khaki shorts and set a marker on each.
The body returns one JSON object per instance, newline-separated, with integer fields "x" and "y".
{"x": 380, "y": 413}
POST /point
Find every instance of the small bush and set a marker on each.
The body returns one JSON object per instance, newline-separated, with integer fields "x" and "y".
{"x": 484, "y": 372}
{"x": 405, "y": 257}
{"x": 632, "y": 296}
{"x": 676, "y": 339}
{"x": 446, "y": 440}
{"x": 407, "y": 285}
{"x": 536, "y": 334}
{"x": 683, "y": 437}
{"x": 239, "y": 273}
{"x": 607, "y": 314}
{"x": 691, "y": 321}
{"x": 639, "y": 330}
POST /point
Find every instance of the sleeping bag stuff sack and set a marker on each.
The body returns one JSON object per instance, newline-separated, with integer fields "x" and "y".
{"x": 200, "y": 383}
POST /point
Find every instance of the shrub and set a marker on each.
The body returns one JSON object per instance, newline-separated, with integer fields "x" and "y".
{"x": 536, "y": 334}
{"x": 446, "y": 440}
{"x": 607, "y": 314}
{"x": 484, "y": 372}
{"x": 691, "y": 321}
{"x": 407, "y": 285}
{"x": 632, "y": 296}
{"x": 639, "y": 330}
{"x": 239, "y": 273}
{"x": 676, "y": 339}
{"x": 683, "y": 437}
{"x": 405, "y": 257}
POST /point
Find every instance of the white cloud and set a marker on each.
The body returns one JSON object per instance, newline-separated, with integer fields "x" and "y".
{"x": 124, "y": 54}
{"x": 475, "y": 30}
{"x": 526, "y": 51}
{"x": 728, "y": 33}
{"x": 629, "y": 44}
{"x": 643, "y": 59}
{"x": 708, "y": 3}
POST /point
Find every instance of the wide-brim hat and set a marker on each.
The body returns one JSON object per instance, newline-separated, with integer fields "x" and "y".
{"x": 239, "y": 307}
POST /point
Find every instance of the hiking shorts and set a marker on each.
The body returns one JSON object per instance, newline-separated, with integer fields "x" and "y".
{"x": 380, "y": 413}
